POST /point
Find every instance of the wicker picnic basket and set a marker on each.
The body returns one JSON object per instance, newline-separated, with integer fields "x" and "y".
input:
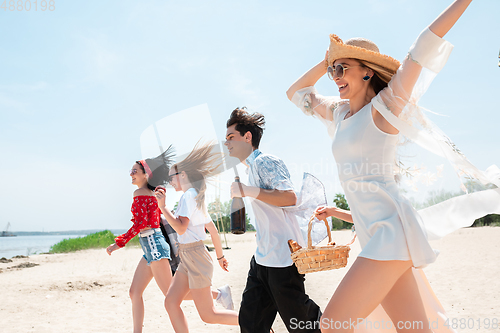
{"x": 319, "y": 258}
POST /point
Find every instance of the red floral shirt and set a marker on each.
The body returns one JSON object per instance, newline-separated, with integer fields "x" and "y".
{"x": 146, "y": 215}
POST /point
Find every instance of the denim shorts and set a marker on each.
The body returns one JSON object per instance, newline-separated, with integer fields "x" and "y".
{"x": 154, "y": 246}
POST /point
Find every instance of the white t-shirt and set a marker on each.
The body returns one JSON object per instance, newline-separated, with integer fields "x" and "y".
{"x": 197, "y": 218}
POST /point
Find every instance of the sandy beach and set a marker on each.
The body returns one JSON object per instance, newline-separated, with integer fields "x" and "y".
{"x": 87, "y": 291}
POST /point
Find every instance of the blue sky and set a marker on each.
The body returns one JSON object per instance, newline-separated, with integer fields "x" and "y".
{"x": 78, "y": 86}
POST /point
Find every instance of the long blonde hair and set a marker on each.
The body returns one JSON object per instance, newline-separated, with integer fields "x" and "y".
{"x": 202, "y": 162}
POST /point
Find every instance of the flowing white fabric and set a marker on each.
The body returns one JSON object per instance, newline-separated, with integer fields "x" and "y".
{"x": 428, "y": 55}
{"x": 445, "y": 217}
{"x": 311, "y": 195}
{"x": 398, "y": 105}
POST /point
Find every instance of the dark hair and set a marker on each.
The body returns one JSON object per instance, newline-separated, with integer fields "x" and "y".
{"x": 377, "y": 83}
{"x": 160, "y": 166}
{"x": 246, "y": 122}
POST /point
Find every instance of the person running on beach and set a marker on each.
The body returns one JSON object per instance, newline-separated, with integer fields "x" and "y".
{"x": 194, "y": 274}
{"x": 377, "y": 107}
{"x": 273, "y": 284}
{"x": 146, "y": 175}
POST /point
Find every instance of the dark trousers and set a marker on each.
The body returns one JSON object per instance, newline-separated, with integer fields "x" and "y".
{"x": 270, "y": 290}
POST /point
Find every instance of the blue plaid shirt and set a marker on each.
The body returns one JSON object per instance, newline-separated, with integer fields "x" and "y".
{"x": 268, "y": 172}
{"x": 274, "y": 225}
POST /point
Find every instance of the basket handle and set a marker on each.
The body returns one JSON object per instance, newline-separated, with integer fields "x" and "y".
{"x": 352, "y": 240}
{"x": 309, "y": 229}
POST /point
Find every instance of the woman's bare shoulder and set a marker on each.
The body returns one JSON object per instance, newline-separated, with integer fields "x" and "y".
{"x": 142, "y": 191}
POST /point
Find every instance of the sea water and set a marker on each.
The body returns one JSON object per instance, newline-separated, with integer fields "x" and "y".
{"x": 29, "y": 245}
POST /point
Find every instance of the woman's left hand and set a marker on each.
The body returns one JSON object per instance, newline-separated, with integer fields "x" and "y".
{"x": 224, "y": 264}
{"x": 160, "y": 196}
{"x": 111, "y": 248}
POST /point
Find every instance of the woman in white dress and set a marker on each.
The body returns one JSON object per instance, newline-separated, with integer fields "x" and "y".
{"x": 377, "y": 97}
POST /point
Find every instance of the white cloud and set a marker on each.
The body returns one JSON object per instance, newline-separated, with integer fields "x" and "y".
{"x": 11, "y": 103}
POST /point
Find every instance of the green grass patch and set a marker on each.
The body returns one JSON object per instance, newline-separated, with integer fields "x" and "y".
{"x": 101, "y": 239}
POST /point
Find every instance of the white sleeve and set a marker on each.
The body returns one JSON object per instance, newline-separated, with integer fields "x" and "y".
{"x": 302, "y": 99}
{"x": 308, "y": 100}
{"x": 430, "y": 51}
{"x": 186, "y": 206}
{"x": 426, "y": 57}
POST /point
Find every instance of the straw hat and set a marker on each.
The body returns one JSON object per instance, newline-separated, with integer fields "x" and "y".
{"x": 361, "y": 49}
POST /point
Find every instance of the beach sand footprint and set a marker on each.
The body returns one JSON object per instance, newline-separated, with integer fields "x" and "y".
{"x": 23, "y": 265}
{"x": 77, "y": 285}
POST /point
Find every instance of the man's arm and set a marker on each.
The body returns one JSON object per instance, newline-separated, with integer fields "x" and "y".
{"x": 273, "y": 177}
{"x": 273, "y": 197}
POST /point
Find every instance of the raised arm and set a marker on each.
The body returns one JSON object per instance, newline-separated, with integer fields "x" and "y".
{"x": 420, "y": 55}
{"x": 307, "y": 80}
{"x": 449, "y": 17}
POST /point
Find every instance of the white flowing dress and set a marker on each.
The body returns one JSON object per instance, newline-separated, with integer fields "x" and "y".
{"x": 387, "y": 225}
{"x": 365, "y": 156}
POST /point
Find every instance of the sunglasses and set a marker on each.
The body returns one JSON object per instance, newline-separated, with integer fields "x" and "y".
{"x": 338, "y": 71}
{"x": 170, "y": 176}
